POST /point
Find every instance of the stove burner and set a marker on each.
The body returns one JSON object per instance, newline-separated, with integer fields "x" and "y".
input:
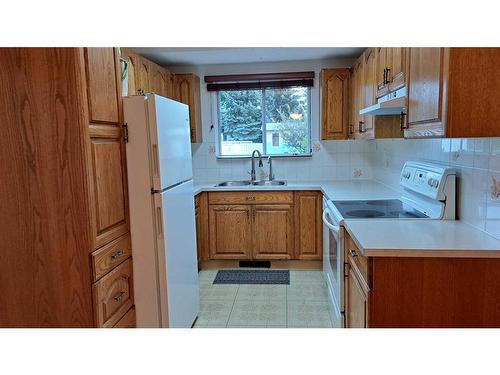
{"x": 365, "y": 213}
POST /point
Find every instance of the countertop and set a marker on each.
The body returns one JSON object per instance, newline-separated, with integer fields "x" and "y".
{"x": 422, "y": 238}
{"x": 389, "y": 237}
{"x": 335, "y": 190}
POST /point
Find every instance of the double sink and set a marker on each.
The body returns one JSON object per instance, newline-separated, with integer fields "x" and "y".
{"x": 253, "y": 183}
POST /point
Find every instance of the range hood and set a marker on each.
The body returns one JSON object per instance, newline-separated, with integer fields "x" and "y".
{"x": 393, "y": 103}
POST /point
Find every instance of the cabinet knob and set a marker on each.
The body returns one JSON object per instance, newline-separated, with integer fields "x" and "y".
{"x": 119, "y": 253}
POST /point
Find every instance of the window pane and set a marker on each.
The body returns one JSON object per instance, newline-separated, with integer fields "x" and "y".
{"x": 240, "y": 122}
{"x": 287, "y": 122}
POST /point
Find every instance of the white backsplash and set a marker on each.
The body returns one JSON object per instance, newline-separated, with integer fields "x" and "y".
{"x": 477, "y": 162}
{"x": 331, "y": 160}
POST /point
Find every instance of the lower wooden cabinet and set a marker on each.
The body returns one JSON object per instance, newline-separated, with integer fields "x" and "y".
{"x": 128, "y": 320}
{"x": 272, "y": 231}
{"x": 230, "y": 231}
{"x": 113, "y": 295}
{"x": 261, "y": 225}
{"x": 356, "y": 306}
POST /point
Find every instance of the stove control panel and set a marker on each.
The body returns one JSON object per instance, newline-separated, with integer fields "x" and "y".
{"x": 427, "y": 179}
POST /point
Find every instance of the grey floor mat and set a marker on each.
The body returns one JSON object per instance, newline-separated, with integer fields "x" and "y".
{"x": 253, "y": 277}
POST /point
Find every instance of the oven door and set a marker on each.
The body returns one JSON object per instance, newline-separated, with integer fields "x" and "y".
{"x": 333, "y": 263}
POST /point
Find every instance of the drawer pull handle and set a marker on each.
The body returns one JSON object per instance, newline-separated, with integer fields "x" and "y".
{"x": 118, "y": 254}
{"x": 250, "y": 198}
{"x": 353, "y": 253}
{"x": 119, "y": 296}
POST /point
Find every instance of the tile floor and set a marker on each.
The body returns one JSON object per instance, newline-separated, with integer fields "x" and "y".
{"x": 302, "y": 304}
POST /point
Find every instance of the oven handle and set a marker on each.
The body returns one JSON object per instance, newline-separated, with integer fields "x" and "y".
{"x": 335, "y": 228}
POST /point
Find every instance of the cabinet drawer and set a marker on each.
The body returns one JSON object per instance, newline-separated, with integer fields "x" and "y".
{"x": 128, "y": 320}
{"x": 250, "y": 197}
{"x": 113, "y": 295}
{"x": 111, "y": 255}
{"x": 355, "y": 256}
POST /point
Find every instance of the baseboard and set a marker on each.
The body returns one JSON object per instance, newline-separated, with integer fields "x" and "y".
{"x": 283, "y": 264}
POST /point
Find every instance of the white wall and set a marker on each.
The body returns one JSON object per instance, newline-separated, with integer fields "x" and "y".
{"x": 477, "y": 162}
{"x": 330, "y": 160}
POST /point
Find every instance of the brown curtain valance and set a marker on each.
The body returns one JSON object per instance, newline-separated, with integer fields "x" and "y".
{"x": 259, "y": 81}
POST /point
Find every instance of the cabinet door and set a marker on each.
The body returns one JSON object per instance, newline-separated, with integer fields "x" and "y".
{"x": 426, "y": 76}
{"x": 160, "y": 81}
{"x": 334, "y": 103}
{"x": 359, "y": 98}
{"x": 142, "y": 79}
{"x": 356, "y": 303}
{"x": 187, "y": 91}
{"x": 381, "y": 57}
{"x": 368, "y": 87}
{"x": 397, "y": 66}
{"x": 102, "y": 92}
{"x": 308, "y": 225}
{"x": 273, "y": 231}
{"x": 230, "y": 231}
{"x": 197, "y": 217}
{"x": 110, "y": 200}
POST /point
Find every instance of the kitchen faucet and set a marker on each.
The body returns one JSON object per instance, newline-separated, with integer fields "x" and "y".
{"x": 252, "y": 173}
{"x": 270, "y": 162}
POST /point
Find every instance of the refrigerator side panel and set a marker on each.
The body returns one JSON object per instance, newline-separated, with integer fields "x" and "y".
{"x": 170, "y": 141}
{"x": 180, "y": 255}
{"x": 142, "y": 221}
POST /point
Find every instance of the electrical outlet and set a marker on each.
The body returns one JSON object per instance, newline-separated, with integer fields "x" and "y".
{"x": 495, "y": 189}
{"x": 357, "y": 173}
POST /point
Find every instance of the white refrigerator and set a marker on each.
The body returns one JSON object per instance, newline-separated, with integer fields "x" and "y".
{"x": 162, "y": 216}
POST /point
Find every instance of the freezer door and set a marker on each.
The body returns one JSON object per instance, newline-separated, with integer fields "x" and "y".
{"x": 170, "y": 141}
{"x": 178, "y": 264}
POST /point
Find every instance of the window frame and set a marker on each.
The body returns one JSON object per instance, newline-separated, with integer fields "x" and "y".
{"x": 215, "y": 122}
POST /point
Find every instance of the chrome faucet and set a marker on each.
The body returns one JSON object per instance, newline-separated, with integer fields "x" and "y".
{"x": 270, "y": 162}
{"x": 252, "y": 173}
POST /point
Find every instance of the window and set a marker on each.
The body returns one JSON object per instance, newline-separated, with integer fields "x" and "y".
{"x": 274, "y": 121}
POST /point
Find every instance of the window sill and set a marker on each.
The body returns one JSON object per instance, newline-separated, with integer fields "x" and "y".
{"x": 264, "y": 156}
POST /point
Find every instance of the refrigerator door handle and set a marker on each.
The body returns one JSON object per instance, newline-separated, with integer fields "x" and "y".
{"x": 159, "y": 221}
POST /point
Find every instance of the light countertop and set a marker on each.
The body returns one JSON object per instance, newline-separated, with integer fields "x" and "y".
{"x": 335, "y": 190}
{"x": 422, "y": 238}
{"x": 389, "y": 237}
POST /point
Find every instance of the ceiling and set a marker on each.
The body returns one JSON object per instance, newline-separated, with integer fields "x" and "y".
{"x": 216, "y": 55}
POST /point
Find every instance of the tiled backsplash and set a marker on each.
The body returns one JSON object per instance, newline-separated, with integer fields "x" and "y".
{"x": 333, "y": 160}
{"x": 477, "y": 162}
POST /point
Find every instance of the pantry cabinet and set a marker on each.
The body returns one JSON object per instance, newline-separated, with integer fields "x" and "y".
{"x": 334, "y": 104}
{"x": 67, "y": 238}
{"x": 187, "y": 91}
{"x": 264, "y": 225}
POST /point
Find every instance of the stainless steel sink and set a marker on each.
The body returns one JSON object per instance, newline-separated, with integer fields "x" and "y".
{"x": 235, "y": 183}
{"x": 269, "y": 183}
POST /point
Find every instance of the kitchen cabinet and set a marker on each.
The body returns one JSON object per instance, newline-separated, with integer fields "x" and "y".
{"x": 308, "y": 225}
{"x": 334, "y": 104}
{"x": 419, "y": 292}
{"x": 201, "y": 215}
{"x": 367, "y": 87}
{"x": 187, "y": 91}
{"x": 69, "y": 234}
{"x": 390, "y": 69}
{"x": 265, "y": 225}
{"x": 273, "y": 231}
{"x": 230, "y": 231}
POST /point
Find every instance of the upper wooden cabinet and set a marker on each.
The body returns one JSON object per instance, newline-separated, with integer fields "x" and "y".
{"x": 101, "y": 66}
{"x": 390, "y": 69}
{"x": 161, "y": 81}
{"x": 187, "y": 91}
{"x": 334, "y": 103}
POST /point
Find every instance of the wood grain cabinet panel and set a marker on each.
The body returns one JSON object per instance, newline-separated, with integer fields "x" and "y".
{"x": 109, "y": 256}
{"x": 161, "y": 81}
{"x": 251, "y": 197}
{"x": 128, "y": 320}
{"x": 308, "y": 225}
{"x": 334, "y": 103}
{"x": 230, "y": 231}
{"x": 397, "y": 66}
{"x": 273, "y": 231}
{"x": 187, "y": 91}
{"x": 426, "y": 79}
{"x": 113, "y": 295}
{"x": 102, "y": 91}
{"x": 356, "y": 310}
{"x": 110, "y": 193}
